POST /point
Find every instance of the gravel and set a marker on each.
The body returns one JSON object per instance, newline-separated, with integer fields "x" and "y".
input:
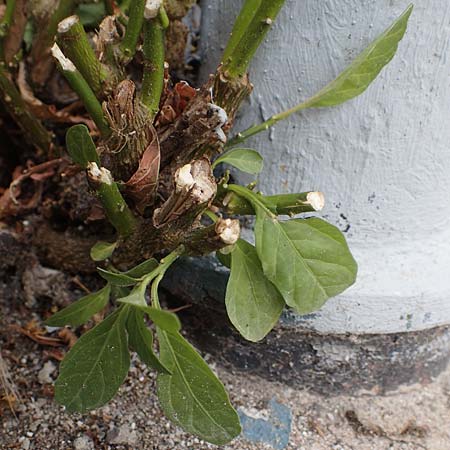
{"x": 412, "y": 418}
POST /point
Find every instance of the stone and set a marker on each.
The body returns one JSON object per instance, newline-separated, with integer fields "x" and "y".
{"x": 44, "y": 374}
{"x": 83, "y": 443}
{"x": 122, "y": 435}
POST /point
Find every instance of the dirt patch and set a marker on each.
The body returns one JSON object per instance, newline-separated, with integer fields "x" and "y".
{"x": 412, "y": 418}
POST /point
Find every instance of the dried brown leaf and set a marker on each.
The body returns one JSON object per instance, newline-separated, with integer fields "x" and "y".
{"x": 141, "y": 187}
{"x": 14, "y": 201}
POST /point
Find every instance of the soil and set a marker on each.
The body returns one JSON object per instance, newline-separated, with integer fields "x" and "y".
{"x": 413, "y": 418}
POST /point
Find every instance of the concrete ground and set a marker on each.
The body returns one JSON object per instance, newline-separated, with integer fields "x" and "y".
{"x": 274, "y": 417}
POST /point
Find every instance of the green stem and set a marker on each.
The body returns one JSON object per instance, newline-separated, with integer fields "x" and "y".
{"x": 16, "y": 106}
{"x": 154, "y": 291}
{"x": 134, "y": 27}
{"x": 161, "y": 270}
{"x": 6, "y": 23}
{"x": 241, "y": 25}
{"x": 109, "y": 7}
{"x": 249, "y": 34}
{"x": 125, "y": 5}
{"x": 282, "y": 204}
{"x": 75, "y": 44}
{"x": 255, "y": 199}
{"x": 163, "y": 17}
{"x": 116, "y": 209}
{"x": 255, "y": 129}
{"x": 65, "y": 9}
{"x": 83, "y": 90}
{"x": 7, "y": 17}
{"x": 153, "y": 77}
{"x": 208, "y": 213}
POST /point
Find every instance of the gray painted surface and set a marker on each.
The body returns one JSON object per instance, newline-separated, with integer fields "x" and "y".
{"x": 383, "y": 160}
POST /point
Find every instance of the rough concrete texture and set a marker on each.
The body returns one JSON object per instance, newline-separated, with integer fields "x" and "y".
{"x": 382, "y": 160}
{"x": 274, "y": 417}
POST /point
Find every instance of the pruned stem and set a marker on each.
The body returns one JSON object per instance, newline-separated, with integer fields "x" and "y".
{"x": 249, "y": 33}
{"x": 206, "y": 240}
{"x": 16, "y": 106}
{"x": 283, "y": 204}
{"x": 194, "y": 189}
{"x": 75, "y": 44}
{"x": 82, "y": 88}
{"x": 134, "y": 27}
{"x": 65, "y": 8}
{"x": 153, "y": 78}
{"x": 116, "y": 209}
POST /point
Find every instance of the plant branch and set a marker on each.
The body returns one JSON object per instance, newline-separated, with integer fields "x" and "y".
{"x": 255, "y": 129}
{"x": 206, "y": 240}
{"x": 249, "y": 33}
{"x": 242, "y": 23}
{"x": 253, "y": 198}
{"x": 82, "y": 88}
{"x": 110, "y": 7}
{"x": 42, "y": 42}
{"x": 161, "y": 270}
{"x": 283, "y": 204}
{"x": 5, "y": 24}
{"x": 134, "y": 27}
{"x": 74, "y": 42}
{"x": 16, "y": 106}
{"x": 153, "y": 49}
{"x": 7, "y": 17}
{"x": 116, "y": 209}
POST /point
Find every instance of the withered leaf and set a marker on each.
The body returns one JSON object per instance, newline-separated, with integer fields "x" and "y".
{"x": 15, "y": 200}
{"x": 141, "y": 187}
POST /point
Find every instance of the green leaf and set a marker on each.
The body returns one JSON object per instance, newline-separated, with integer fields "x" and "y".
{"x": 253, "y": 303}
{"x": 91, "y": 14}
{"x": 82, "y": 310}
{"x": 102, "y": 250}
{"x": 308, "y": 260}
{"x": 143, "y": 269}
{"x": 352, "y": 82}
{"x": 117, "y": 278}
{"x": 96, "y": 366}
{"x": 80, "y": 146}
{"x": 224, "y": 259}
{"x": 136, "y": 297}
{"x": 165, "y": 320}
{"x": 193, "y": 397}
{"x": 244, "y": 159}
{"x": 364, "y": 69}
{"x": 141, "y": 340}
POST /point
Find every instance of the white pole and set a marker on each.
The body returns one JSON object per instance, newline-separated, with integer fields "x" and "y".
{"x": 383, "y": 160}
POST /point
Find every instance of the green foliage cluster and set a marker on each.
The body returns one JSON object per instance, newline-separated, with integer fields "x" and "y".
{"x": 297, "y": 263}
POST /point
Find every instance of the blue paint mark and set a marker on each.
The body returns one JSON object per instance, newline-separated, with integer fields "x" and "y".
{"x": 275, "y": 431}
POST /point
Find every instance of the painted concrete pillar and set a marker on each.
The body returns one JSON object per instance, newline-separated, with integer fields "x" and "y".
{"x": 382, "y": 160}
